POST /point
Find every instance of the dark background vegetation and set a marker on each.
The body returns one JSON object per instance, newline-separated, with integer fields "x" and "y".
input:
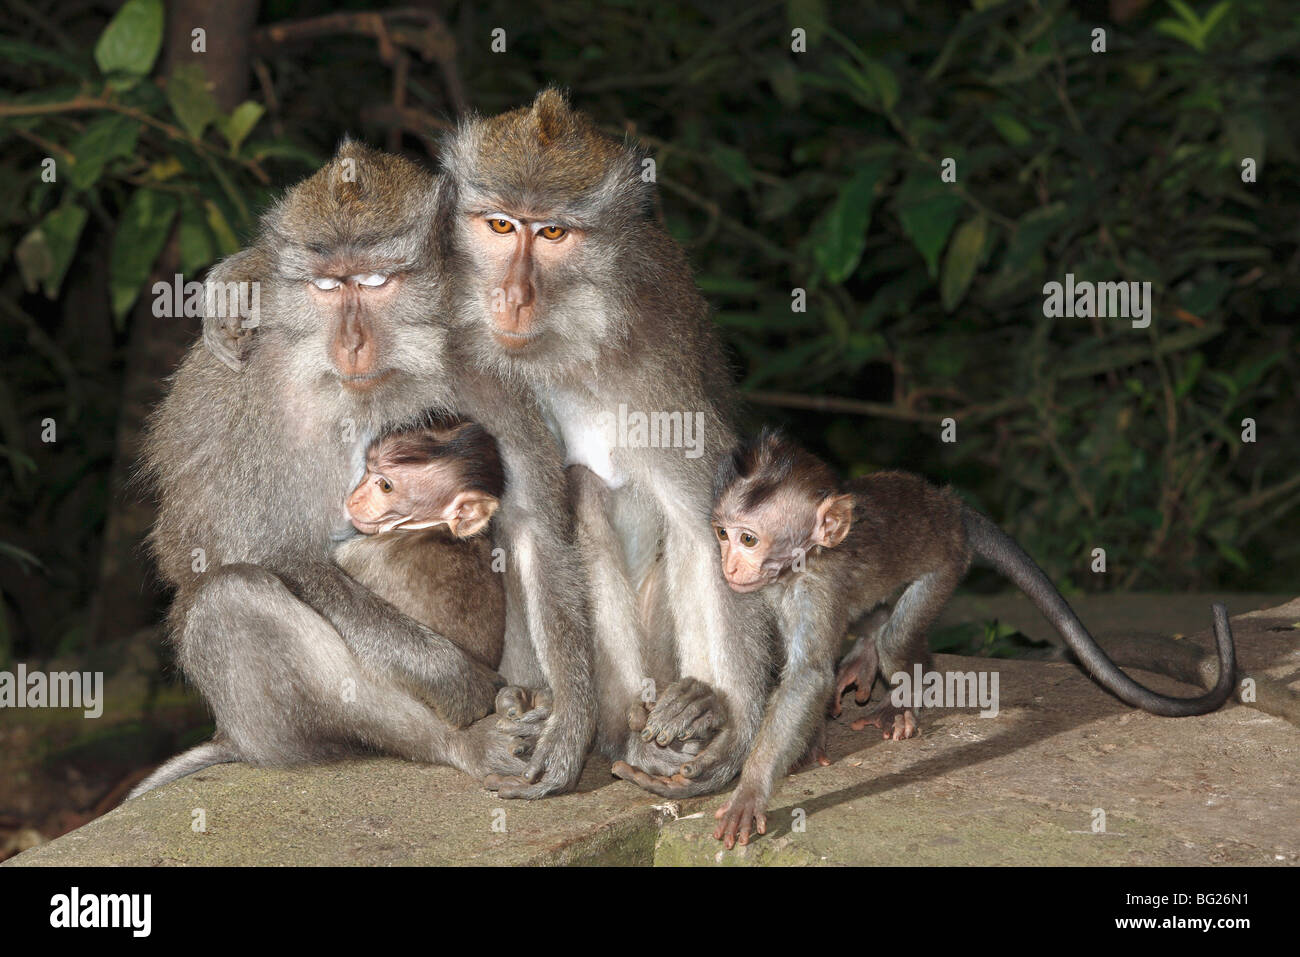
{"x": 778, "y": 170}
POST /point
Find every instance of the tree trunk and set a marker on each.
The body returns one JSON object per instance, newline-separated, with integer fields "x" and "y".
{"x": 128, "y": 596}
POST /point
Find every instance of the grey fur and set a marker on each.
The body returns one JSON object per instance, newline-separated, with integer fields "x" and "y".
{"x": 252, "y": 461}
{"x": 622, "y": 324}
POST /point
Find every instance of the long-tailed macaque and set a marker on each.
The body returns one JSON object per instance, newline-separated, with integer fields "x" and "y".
{"x": 253, "y": 453}
{"x": 426, "y": 495}
{"x": 827, "y": 553}
{"x": 575, "y": 290}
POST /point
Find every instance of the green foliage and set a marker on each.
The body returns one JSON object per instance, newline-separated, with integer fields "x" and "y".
{"x": 819, "y": 171}
{"x": 925, "y": 294}
{"x": 103, "y": 162}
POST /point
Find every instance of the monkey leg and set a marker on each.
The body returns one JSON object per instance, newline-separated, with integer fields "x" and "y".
{"x": 815, "y": 755}
{"x": 285, "y": 689}
{"x": 857, "y": 670}
{"x": 859, "y": 667}
{"x": 723, "y": 648}
{"x": 901, "y": 644}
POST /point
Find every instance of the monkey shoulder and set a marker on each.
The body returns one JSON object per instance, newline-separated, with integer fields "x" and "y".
{"x": 896, "y": 496}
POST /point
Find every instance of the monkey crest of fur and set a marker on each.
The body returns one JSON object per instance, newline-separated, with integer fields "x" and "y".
{"x": 760, "y": 468}
{"x": 549, "y": 158}
{"x": 348, "y": 208}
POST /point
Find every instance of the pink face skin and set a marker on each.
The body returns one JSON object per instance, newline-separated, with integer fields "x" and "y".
{"x": 518, "y": 247}
{"x": 758, "y": 546}
{"x": 351, "y": 298}
{"x": 410, "y": 497}
{"x": 748, "y": 560}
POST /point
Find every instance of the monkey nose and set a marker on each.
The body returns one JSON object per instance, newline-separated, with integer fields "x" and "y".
{"x": 519, "y": 293}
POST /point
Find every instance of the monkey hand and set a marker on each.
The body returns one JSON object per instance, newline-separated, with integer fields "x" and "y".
{"x": 466, "y": 695}
{"x": 741, "y": 815}
{"x": 688, "y": 710}
{"x": 699, "y": 771}
{"x": 554, "y": 744}
{"x": 522, "y": 714}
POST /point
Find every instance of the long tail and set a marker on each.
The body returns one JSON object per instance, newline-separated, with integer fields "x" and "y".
{"x": 187, "y": 762}
{"x": 1001, "y": 551}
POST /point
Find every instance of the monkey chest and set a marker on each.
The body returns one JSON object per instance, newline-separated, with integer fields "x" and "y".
{"x": 587, "y": 435}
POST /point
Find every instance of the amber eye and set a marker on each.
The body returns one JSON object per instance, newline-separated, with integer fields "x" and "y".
{"x": 552, "y": 232}
{"x": 748, "y": 539}
{"x": 502, "y": 226}
{"x": 722, "y": 533}
{"x": 385, "y": 485}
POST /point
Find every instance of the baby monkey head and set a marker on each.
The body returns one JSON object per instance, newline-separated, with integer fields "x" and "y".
{"x": 773, "y": 504}
{"x": 447, "y": 473}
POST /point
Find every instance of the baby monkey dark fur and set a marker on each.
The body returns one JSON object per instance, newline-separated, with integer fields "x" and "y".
{"x": 832, "y": 555}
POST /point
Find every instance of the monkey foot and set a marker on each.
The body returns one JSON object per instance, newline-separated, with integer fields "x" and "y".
{"x": 742, "y": 816}
{"x": 815, "y": 755}
{"x": 895, "y": 723}
{"x": 669, "y": 786}
{"x": 857, "y": 670}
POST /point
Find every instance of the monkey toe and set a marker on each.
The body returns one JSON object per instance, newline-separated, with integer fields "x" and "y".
{"x": 675, "y": 786}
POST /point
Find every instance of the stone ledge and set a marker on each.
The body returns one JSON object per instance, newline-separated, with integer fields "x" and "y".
{"x": 1017, "y": 789}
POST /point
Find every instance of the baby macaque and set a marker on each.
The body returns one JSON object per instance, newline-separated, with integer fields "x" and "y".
{"x": 426, "y": 494}
{"x": 832, "y": 555}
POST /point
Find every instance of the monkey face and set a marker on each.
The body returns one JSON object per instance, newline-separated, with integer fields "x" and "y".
{"x": 749, "y": 559}
{"x": 377, "y": 504}
{"x": 524, "y": 254}
{"x": 410, "y": 496}
{"x": 549, "y": 215}
{"x": 356, "y": 278}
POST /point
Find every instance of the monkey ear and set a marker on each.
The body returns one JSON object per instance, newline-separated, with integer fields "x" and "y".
{"x": 469, "y": 513}
{"x": 834, "y": 519}
{"x": 224, "y": 332}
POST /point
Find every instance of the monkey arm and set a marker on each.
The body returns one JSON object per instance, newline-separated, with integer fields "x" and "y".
{"x": 545, "y": 578}
{"x": 459, "y": 689}
{"x": 723, "y": 641}
{"x": 792, "y": 715}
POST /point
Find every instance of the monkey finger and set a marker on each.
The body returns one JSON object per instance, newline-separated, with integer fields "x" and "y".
{"x": 500, "y": 782}
{"x": 702, "y": 712}
{"x": 703, "y": 727}
{"x": 531, "y": 725}
{"x": 675, "y": 713}
{"x": 708, "y": 760}
{"x": 676, "y": 695}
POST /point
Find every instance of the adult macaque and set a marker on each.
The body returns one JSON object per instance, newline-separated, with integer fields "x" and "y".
{"x": 827, "y": 553}
{"x": 574, "y": 289}
{"x": 253, "y": 459}
{"x": 427, "y": 494}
